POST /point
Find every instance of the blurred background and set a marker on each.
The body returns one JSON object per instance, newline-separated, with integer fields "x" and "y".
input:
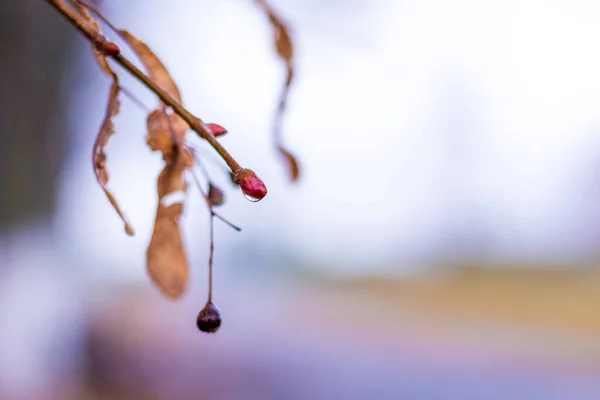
{"x": 443, "y": 242}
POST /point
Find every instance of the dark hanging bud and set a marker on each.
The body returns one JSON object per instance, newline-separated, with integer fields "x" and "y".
{"x": 209, "y": 318}
{"x": 252, "y": 186}
{"x": 215, "y": 195}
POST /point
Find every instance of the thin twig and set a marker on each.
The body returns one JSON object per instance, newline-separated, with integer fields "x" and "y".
{"x": 210, "y": 259}
{"x": 200, "y": 164}
{"x": 194, "y": 122}
{"x": 237, "y": 228}
{"x": 206, "y": 154}
{"x": 134, "y": 98}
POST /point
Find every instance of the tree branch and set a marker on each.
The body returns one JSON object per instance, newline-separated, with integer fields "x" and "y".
{"x": 194, "y": 122}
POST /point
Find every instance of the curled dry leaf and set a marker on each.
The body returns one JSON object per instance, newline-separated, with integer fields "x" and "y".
{"x": 292, "y": 164}
{"x": 283, "y": 42}
{"x": 98, "y": 54}
{"x": 285, "y": 49}
{"x": 165, "y": 132}
{"x": 107, "y": 129}
{"x": 281, "y": 33}
{"x": 99, "y": 157}
{"x": 157, "y": 70}
{"x": 166, "y": 258}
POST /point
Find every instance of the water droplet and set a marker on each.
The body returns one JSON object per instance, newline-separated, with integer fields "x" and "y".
{"x": 250, "y": 198}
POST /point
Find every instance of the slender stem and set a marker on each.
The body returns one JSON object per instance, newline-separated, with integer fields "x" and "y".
{"x": 237, "y": 228}
{"x": 195, "y": 123}
{"x": 203, "y": 169}
{"x": 210, "y": 157}
{"x": 210, "y": 259}
{"x": 93, "y": 9}
{"x": 134, "y": 98}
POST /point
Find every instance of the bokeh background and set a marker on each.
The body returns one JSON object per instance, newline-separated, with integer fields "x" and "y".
{"x": 443, "y": 242}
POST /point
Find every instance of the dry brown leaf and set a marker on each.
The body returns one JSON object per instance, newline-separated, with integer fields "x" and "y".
{"x": 285, "y": 49}
{"x": 283, "y": 43}
{"x": 281, "y": 33}
{"x": 99, "y": 156}
{"x": 292, "y": 164}
{"x": 165, "y": 132}
{"x": 157, "y": 70}
{"x": 166, "y": 258}
{"x": 100, "y": 58}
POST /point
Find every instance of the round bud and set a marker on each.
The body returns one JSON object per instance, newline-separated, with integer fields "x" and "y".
{"x": 217, "y": 130}
{"x": 111, "y": 49}
{"x": 215, "y": 195}
{"x": 209, "y": 318}
{"x": 252, "y": 186}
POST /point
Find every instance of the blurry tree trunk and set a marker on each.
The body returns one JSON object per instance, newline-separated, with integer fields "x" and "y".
{"x": 35, "y": 54}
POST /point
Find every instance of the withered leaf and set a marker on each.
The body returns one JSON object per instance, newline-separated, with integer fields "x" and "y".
{"x": 283, "y": 43}
{"x": 292, "y": 164}
{"x": 165, "y": 132}
{"x": 281, "y": 34}
{"x": 100, "y": 58}
{"x": 156, "y": 69}
{"x": 99, "y": 156}
{"x": 166, "y": 258}
{"x": 285, "y": 49}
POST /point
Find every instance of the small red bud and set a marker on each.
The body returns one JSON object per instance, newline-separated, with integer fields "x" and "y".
{"x": 216, "y": 129}
{"x": 252, "y": 186}
{"x": 209, "y": 319}
{"x": 111, "y": 49}
{"x": 215, "y": 195}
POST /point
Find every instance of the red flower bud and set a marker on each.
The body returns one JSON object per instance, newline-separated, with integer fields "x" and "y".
{"x": 252, "y": 186}
{"x": 217, "y": 130}
{"x": 111, "y": 49}
{"x": 215, "y": 195}
{"x": 209, "y": 319}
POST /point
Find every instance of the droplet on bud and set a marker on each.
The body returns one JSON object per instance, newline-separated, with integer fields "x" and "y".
{"x": 252, "y": 186}
{"x": 111, "y": 49}
{"x": 217, "y": 130}
{"x": 215, "y": 195}
{"x": 209, "y": 318}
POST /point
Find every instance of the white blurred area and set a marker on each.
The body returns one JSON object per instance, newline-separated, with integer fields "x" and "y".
{"x": 427, "y": 131}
